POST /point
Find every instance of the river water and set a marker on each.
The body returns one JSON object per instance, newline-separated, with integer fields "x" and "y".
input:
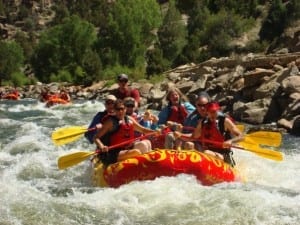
{"x": 34, "y": 191}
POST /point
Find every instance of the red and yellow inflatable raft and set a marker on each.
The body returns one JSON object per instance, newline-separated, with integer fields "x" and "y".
{"x": 208, "y": 169}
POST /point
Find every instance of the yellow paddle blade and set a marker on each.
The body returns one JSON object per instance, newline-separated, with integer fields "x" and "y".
{"x": 241, "y": 127}
{"x": 73, "y": 159}
{"x": 66, "y": 135}
{"x": 65, "y": 140}
{"x": 269, "y": 138}
{"x": 263, "y": 152}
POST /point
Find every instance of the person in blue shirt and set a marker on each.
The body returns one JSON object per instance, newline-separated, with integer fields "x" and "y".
{"x": 149, "y": 120}
{"x": 100, "y": 117}
{"x": 192, "y": 120}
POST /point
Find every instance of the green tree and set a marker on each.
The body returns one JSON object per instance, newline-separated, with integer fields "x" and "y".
{"x": 196, "y": 24}
{"x": 128, "y": 32}
{"x": 94, "y": 11}
{"x": 172, "y": 34}
{"x": 293, "y": 10}
{"x": 245, "y": 8}
{"x": 275, "y": 22}
{"x": 26, "y": 42}
{"x": 156, "y": 64}
{"x": 11, "y": 59}
{"x": 185, "y": 6}
{"x": 219, "y": 29}
{"x": 66, "y": 47}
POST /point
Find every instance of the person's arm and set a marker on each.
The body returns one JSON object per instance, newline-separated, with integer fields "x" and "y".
{"x": 197, "y": 132}
{"x": 234, "y": 131}
{"x": 138, "y": 127}
{"x": 163, "y": 116}
{"x": 189, "y": 107}
{"x": 107, "y": 126}
{"x": 192, "y": 136}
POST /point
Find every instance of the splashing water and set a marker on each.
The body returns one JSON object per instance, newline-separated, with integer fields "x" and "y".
{"x": 34, "y": 191}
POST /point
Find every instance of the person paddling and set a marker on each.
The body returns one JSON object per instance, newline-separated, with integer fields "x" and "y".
{"x": 117, "y": 129}
{"x": 217, "y": 133}
{"x": 100, "y": 117}
{"x": 192, "y": 120}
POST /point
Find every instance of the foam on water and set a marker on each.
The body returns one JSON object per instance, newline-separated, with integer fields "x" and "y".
{"x": 34, "y": 191}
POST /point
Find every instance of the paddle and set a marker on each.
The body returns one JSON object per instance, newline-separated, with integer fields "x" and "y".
{"x": 251, "y": 146}
{"x": 77, "y": 157}
{"x": 241, "y": 127}
{"x": 66, "y": 135}
{"x": 264, "y": 138}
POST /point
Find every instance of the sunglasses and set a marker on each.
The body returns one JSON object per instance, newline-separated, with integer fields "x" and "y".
{"x": 123, "y": 81}
{"x": 130, "y": 105}
{"x": 120, "y": 109}
{"x": 109, "y": 102}
{"x": 201, "y": 105}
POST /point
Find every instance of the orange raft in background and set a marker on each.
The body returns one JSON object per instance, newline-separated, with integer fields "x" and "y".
{"x": 56, "y": 100}
{"x": 162, "y": 162}
{"x": 12, "y": 96}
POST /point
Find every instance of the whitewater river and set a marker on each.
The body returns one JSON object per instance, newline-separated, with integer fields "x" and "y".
{"x": 34, "y": 191}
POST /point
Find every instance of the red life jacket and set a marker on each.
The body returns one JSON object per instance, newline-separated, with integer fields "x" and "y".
{"x": 124, "y": 132}
{"x": 177, "y": 114}
{"x": 214, "y": 132}
{"x": 64, "y": 96}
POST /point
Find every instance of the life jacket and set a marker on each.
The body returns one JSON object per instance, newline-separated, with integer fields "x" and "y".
{"x": 45, "y": 96}
{"x": 123, "y": 132}
{"x": 64, "y": 96}
{"x": 177, "y": 113}
{"x": 214, "y": 132}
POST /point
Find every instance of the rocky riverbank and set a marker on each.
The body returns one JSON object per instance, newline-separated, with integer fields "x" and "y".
{"x": 254, "y": 89}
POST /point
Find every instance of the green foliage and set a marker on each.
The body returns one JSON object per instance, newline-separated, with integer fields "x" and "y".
{"x": 134, "y": 36}
{"x": 135, "y": 74}
{"x": 293, "y": 10}
{"x": 63, "y": 75}
{"x": 97, "y": 16}
{"x": 26, "y": 43}
{"x": 275, "y": 22}
{"x": 61, "y": 13}
{"x": 185, "y": 6}
{"x": 2, "y": 11}
{"x": 172, "y": 34}
{"x": 18, "y": 79}
{"x": 156, "y": 64}
{"x": 157, "y": 78}
{"x": 256, "y": 46}
{"x": 128, "y": 32}
{"x": 66, "y": 46}
{"x": 198, "y": 17}
{"x": 247, "y": 8}
{"x": 219, "y": 29}
{"x": 11, "y": 59}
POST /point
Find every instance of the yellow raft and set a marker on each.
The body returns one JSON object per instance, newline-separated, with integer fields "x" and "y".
{"x": 208, "y": 170}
